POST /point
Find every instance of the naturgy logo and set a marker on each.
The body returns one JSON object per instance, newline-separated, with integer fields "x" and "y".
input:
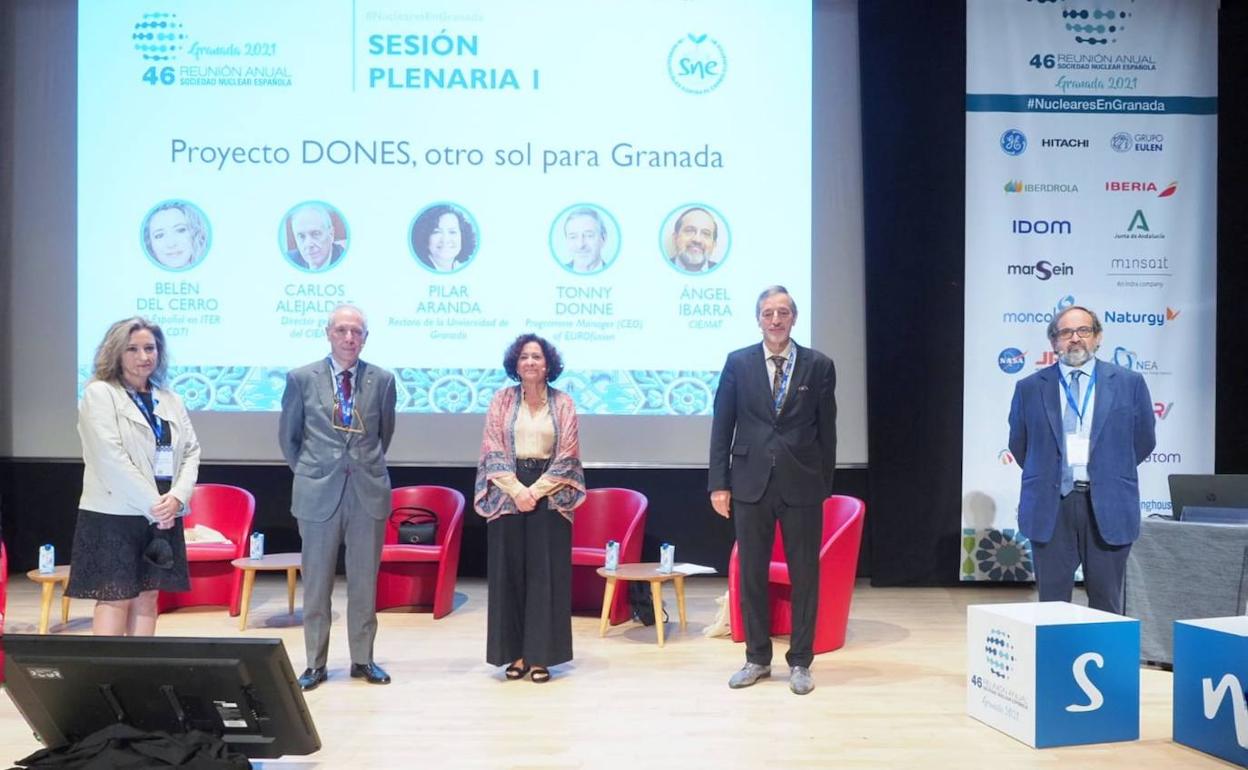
{"x": 697, "y": 64}
{"x": 1141, "y": 319}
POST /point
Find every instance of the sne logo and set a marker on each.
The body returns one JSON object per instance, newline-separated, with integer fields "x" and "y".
{"x": 697, "y": 64}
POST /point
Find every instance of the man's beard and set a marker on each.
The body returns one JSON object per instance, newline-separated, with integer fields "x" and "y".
{"x": 691, "y": 261}
{"x": 1077, "y": 357}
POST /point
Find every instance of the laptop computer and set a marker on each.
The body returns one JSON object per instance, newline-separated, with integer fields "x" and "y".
{"x": 1209, "y": 498}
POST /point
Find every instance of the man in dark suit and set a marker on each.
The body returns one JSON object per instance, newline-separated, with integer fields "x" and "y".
{"x": 1078, "y": 429}
{"x": 336, "y": 424}
{"x": 773, "y": 452}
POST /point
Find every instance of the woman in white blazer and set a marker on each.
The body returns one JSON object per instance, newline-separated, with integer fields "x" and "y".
{"x": 142, "y": 460}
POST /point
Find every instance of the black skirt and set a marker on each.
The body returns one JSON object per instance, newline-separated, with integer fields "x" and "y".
{"x": 107, "y": 560}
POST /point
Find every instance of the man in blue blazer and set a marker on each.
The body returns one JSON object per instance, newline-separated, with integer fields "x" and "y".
{"x": 1078, "y": 430}
{"x": 773, "y": 452}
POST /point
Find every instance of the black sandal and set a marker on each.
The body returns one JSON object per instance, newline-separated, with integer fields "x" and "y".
{"x": 514, "y": 672}
{"x": 541, "y": 674}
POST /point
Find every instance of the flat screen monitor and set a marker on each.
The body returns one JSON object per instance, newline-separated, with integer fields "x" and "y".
{"x": 243, "y": 690}
{"x": 1207, "y": 491}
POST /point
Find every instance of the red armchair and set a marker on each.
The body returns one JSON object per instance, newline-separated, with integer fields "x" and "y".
{"x": 607, "y": 514}
{"x": 214, "y": 581}
{"x": 422, "y": 575}
{"x": 838, "y": 564}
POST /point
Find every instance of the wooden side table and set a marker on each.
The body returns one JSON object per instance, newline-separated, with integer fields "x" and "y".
{"x": 47, "y": 582}
{"x": 648, "y": 571}
{"x": 273, "y": 562}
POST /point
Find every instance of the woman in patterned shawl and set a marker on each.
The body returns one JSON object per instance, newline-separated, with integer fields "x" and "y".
{"x": 529, "y": 480}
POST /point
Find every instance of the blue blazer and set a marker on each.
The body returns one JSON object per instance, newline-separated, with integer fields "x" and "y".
{"x": 1122, "y": 437}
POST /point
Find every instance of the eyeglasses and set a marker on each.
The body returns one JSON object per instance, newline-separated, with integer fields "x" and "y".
{"x": 1083, "y": 331}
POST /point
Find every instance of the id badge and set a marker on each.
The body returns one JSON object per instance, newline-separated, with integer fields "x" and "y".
{"x": 1077, "y": 449}
{"x": 163, "y": 467}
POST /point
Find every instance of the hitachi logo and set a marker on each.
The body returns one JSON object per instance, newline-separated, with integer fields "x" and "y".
{"x": 1065, "y": 143}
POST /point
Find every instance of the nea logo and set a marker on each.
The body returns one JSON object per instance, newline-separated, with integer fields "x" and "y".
{"x": 1040, "y": 227}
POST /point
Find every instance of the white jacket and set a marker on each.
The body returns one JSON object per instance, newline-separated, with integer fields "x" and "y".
{"x": 119, "y": 450}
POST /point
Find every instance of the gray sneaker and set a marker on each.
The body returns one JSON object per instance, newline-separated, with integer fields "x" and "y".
{"x": 749, "y": 674}
{"x": 800, "y": 680}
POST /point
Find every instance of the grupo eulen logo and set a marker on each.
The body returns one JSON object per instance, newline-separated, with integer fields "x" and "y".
{"x": 1011, "y": 360}
{"x": 697, "y": 63}
{"x": 1013, "y": 142}
{"x": 1125, "y": 141}
{"x": 159, "y": 36}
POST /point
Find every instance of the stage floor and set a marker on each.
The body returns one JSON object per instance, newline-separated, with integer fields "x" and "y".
{"x": 894, "y": 696}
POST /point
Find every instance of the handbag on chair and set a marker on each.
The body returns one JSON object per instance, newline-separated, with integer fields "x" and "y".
{"x": 418, "y": 526}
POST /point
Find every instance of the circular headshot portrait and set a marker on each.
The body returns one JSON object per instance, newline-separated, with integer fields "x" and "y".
{"x": 176, "y": 235}
{"x": 313, "y": 236}
{"x": 443, "y": 237}
{"x": 584, "y": 239}
{"x": 694, "y": 239}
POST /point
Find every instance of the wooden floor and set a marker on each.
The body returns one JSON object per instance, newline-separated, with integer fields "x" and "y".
{"x": 894, "y": 696}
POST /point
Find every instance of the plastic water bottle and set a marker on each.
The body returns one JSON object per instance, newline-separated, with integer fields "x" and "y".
{"x": 667, "y": 558}
{"x": 613, "y": 555}
{"x": 257, "y": 545}
{"x": 47, "y": 559}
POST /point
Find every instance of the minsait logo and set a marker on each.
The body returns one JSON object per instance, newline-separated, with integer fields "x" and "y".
{"x": 1011, "y": 360}
{"x": 1013, "y": 142}
{"x": 1040, "y": 227}
{"x": 1019, "y": 186}
{"x": 1042, "y": 270}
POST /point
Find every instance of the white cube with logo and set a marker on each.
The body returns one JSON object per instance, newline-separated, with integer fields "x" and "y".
{"x": 1053, "y": 673}
{"x": 1210, "y": 674}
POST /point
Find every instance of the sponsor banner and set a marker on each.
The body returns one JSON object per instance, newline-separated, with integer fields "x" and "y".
{"x": 1090, "y": 180}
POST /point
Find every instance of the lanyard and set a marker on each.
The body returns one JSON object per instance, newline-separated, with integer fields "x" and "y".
{"x": 345, "y": 405}
{"x": 786, "y": 371}
{"x": 1070, "y": 397}
{"x": 156, "y": 424}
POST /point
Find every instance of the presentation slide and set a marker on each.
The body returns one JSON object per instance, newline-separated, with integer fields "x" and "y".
{"x": 622, "y": 178}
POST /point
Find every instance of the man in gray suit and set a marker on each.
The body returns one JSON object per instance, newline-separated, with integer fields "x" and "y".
{"x": 336, "y": 424}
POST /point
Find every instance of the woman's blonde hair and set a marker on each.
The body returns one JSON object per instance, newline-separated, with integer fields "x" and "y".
{"x": 108, "y": 354}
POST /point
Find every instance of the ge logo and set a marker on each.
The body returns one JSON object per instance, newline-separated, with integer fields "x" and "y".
{"x": 1013, "y": 142}
{"x": 697, "y": 64}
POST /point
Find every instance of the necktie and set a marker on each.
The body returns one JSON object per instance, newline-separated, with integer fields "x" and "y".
{"x": 1070, "y": 424}
{"x": 775, "y": 378}
{"x": 1070, "y": 421}
{"x": 346, "y": 385}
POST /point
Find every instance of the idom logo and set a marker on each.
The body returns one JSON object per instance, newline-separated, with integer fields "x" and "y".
{"x": 697, "y": 63}
{"x": 158, "y": 36}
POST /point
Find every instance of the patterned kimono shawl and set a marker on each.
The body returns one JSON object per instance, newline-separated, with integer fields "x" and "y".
{"x": 498, "y": 454}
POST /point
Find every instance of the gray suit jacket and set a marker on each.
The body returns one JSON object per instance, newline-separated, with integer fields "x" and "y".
{"x": 325, "y": 460}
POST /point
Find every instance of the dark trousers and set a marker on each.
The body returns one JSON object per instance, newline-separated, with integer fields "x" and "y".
{"x": 802, "y": 529}
{"x": 1076, "y": 540}
{"x": 529, "y": 570}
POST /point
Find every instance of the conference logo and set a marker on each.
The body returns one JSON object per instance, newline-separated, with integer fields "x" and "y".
{"x": 1124, "y": 141}
{"x": 159, "y": 37}
{"x": 1038, "y": 317}
{"x": 1040, "y": 227}
{"x": 697, "y": 64}
{"x": 1011, "y": 360}
{"x": 1139, "y": 229}
{"x": 1162, "y": 409}
{"x": 1013, "y": 142}
{"x": 1042, "y": 270}
{"x": 1124, "y": 186}
{"x": 1129, "y": 359}
{"x": 999, "y": 653}
{"x": 1091, "y": 24}
{"x": 1131, "y": 318}
{"x": 1019, "y": 186}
